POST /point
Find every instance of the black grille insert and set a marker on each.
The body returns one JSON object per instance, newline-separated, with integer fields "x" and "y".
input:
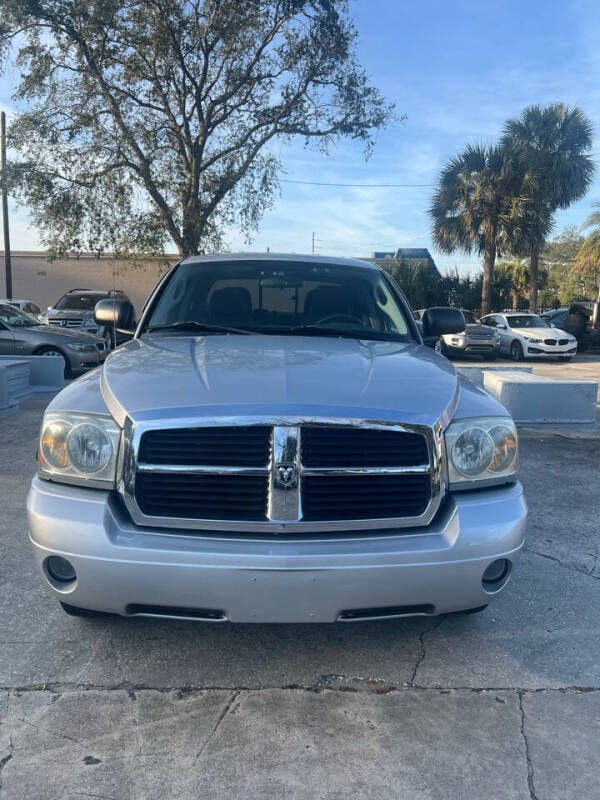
{"x": 362, "y": 447}
{"x": 236, "y": 446}
{"x": 236, "y": 497}
{"x": 364, "y": 496}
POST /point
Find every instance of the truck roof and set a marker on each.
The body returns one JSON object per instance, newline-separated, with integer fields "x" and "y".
{"x": 333, "y": 260}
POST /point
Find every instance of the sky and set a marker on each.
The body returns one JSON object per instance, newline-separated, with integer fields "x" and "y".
{"x": 457, "y": 71}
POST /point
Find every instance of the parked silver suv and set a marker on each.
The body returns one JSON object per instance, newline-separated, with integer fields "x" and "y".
{"x": 276, "y": 444}
{"x": 75, "y": 311}
{"x": 475, "y": 340}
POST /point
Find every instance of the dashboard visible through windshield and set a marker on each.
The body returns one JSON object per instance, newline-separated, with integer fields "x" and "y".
{"x": 303, "y": 298}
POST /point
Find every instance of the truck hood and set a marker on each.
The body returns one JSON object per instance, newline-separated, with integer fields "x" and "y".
{"x": 166, "y": 376}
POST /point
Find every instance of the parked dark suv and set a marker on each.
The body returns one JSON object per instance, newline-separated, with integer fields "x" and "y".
{"x": 581, "y": 320}
{"x": 75, "y": 310}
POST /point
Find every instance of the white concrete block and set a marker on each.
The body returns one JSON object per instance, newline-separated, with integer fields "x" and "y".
{"x": 475, "y": 374}
{"x": 533, "y": 398}
{"x": 45, "y": 374}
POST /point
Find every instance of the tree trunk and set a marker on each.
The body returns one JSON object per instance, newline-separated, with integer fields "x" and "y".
{"x": 534, "y": 264}
{"x": 489, "y": 259}
{"x": 515, "y": 300}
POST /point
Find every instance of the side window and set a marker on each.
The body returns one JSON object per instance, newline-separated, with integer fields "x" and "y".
{"x": 489, "y": 321}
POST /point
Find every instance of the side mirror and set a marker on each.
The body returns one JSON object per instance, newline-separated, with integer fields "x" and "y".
{"x": 438, "y": 321}
{"x": 115, "y": 313}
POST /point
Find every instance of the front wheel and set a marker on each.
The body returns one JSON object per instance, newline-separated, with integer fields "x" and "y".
{"x": 516, "y": 351}
{"x": 54, "y": 352}
{"x": 440, "y": 347}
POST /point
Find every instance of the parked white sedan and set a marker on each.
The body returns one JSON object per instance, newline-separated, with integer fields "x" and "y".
{"x": 529, "y": 336}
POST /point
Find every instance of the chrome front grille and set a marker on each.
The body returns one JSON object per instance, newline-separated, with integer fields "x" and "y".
{"x": 66, "y": 322}
{"x": 295, "y": 476}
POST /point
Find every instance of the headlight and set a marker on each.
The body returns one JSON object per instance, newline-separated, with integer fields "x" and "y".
{"x": 481, "y": 451}
{"x": 79, "y": 448}
{"x": 82, "y": 347}
{"x": 533, "y": 341}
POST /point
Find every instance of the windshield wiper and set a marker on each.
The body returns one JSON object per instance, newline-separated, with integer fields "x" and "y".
{"x": 194, "y": 325}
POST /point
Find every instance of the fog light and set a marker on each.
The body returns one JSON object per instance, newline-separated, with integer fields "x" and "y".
{"x": 496, "y": 574}
{"x": 60, "y": 569}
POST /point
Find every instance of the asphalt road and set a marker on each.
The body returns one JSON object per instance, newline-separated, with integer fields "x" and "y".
{"x": 502, "y": 705}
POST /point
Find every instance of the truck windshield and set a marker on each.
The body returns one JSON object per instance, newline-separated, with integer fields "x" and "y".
{"x": 281, "y": 298}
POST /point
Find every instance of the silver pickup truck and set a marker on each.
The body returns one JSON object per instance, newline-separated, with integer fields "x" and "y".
{"x": 275, "y": 444}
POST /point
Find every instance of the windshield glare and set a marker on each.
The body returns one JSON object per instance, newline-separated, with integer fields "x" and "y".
{"x": 527, "y": 321}
{"x": 79, "y": 302}
{"x": 281, "y": 297}
{"x": 15, "y": 318}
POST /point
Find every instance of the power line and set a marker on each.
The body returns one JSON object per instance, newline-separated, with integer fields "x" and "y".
{"x": 361, "y": 185}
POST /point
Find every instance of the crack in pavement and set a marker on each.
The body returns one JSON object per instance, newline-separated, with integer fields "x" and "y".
{"x": 571, "y": 568}
{"x": 51, "y": 732}
{"x": 422, "y": 653}
{"x": 4, "y": 761}
{"x": 530, "y": 784}
{"x": 234, "y": 695}
{"x": 370, "y": 685}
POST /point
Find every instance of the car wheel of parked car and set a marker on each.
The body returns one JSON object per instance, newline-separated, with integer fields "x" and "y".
{"x": 54, "y": 352}
{"x": 440, "y": 347}
{"x": 516, "y": 351}
{"x": 75, "y": 611}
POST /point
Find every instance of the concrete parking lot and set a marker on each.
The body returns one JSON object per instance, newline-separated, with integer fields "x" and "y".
{"x": 504, "y": 704}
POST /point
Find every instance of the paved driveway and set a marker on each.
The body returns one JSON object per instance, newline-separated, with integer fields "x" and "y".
{"x": 584, "y": 367}
{"x": 504, "y": 704}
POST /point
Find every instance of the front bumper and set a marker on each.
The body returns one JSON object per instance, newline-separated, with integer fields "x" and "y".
{"x": 121, "y": 567}
{"x": 81, "y": 361}
{"x": 474, "y": 346}
{"x": 542, "y": 350}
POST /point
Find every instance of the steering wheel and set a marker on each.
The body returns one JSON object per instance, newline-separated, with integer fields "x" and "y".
{"x": 333, "y": 317}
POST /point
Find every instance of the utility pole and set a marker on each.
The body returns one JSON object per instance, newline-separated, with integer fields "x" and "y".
{"x": 313, "y": 243}
{"x": 7, "y": 261}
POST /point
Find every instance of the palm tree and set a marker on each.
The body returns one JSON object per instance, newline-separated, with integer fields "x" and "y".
{"x": 587, "y": 262}
{"x": 478, "y": 206}
{"x": 549, "y": 146}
